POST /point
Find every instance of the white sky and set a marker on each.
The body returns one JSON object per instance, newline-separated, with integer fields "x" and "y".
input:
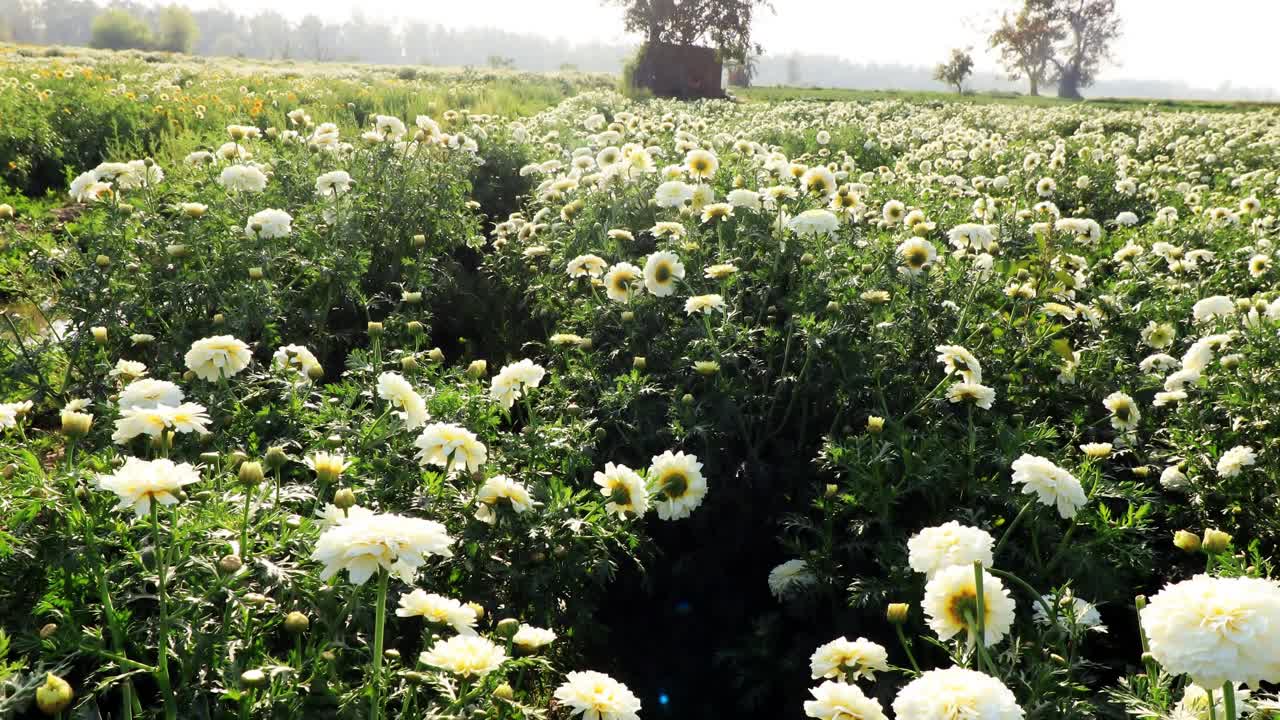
{"x": 1202, "y": 44}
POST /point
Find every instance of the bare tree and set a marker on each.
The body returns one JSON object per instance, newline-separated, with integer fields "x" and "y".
{"x": 1026, "y": 42}
{"x": 954, "y": 71}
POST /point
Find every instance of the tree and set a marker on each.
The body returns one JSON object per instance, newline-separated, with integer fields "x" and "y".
{"x": 723, "y": 24}
{"x": 1026, "y": 43}
{"x": 954, "y": 71}
{"x": 1091, "y": 26}
{"x": 176, "y": 29}
{"x": 118, "y": 30}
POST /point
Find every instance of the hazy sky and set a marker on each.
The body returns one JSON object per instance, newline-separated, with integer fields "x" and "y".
{"x": 1204, "y": 44}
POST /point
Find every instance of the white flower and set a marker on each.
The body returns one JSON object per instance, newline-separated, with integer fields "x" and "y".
{"x": 841, "y": 701}
{"x": 979, "y": 395}
{"x": 661, "y": 271}
{"x": 510, "y": 382}
{"x": 530, "y": 638}
{"x": 704, "y": 304}
{"x": 269, "y": 224}
{"x": 1194, "y": 704}
{"x": 1172, "y": 478}
{"x": 1052, "y": 484}
{"x": 951, "y": 604}
{"x": 814, "y": 223}
{"x": 393, "y": 388}
{"x": 1124, "y": 411}
{"x": 438, "y": 609}
{"x": 937, "y": 548}
{"x": 596, "y": 696}
{"x": 363, "y": 542}
{"x": 497, "y": 489}
{"x": 1217, "y": 306}
{"x": 586, "y": 266}
{"x": 444, "y": 444}
{"x": 743, "y": 198}
{"x": 959, "y": 361}
{"x": 789, "y": 577}
{"x": 299, "y": 358}
{"x": 1236, "y": 460}
{"x": 916, "y": 254}
{"x": 956, "y": 694}
{"x": 1216, "y": 630}
{"x": 242, "y": 178}
{"x": 220, "y": 356}
{"x": 621, "y": 282}
{"x": 465, "y": 655}
{"x": 673, "y": 193}
{"x": 140, "y": 482}
{"x": 859, "y": 658}
{"x": 149, "y": 393}
{"x": 625, "y": 490}
{"x": 332, "y": 184}
{"x": 677, "y": 485}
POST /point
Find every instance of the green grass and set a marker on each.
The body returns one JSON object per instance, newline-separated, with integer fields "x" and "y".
{"x": 783, "y": 94}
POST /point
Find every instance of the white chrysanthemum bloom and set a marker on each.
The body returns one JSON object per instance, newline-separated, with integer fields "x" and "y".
{"x": 220, "y": 356}
{"x": 1072, "y": 609}
{"x": 438, "y": 609}
{"x": 1216, "y": 630}
{"x": 622, "y": 281}
{"x": 1172, "y": 478}
{"x": 269, "y": 224}
{"x": 1124, "y": 411}
{"x": 596, "y": 696}
{"x": 1126, "y": 218}
{"x": 789, "y": 577}
{"x": 666, "y": 229}
{"x": 959, "y": 361}
{"x": 937, "y": 548}
{"x": 393, "y": 388}
{"x": 819, "y": 180}
{"x": 297, "y": 358}
{"x": 530, "y": 638}
{"x": 366, "y": 541}
{"x": 389, "y": 127}
{"x": 135, "y": 421}
{"x": 138, "y": 483}
{"x": 446, "y": 445}
{"x": 841, "y": 701}
{"x": 1053, "y": 485}
{"x": 198, "y": 157}
{"x": 704, "y": 304}
{"x": 916, "y": 254}
{"x": 719, "y": 271}
{"x": 701, "y": 163}
{"x": 951, "y": 603}
{"x": 333, "y": 184}
{"x": 956, "y": 694}
{"x": 661, "y": 272}
{"x": 744, "y": 198}
{"x": 893, "y": 212}
{"x": 327, "y": 466}
{"x": 1158, "y": 363}
{"x": 814, "y": 223}
{"x": 242, "y": 178}
{"x": 149, "y": 393}
{"x": 856, "y": 659}
{"x": 673, "y": 194}
{"x": 1195, "y": 705}
{"x": 1159, "y": 335}
{"x": 979, "y": 238}
{"x": 465, "y": 655}
{"x": 586, "y": 266}
{"x": 676, "y": 484}
{"x": 501, "y": 488}
{"x": 1235, "y": 460}
{"x": 1217, "y": 306}
{"x": 716, "y": 212}
{"x": 187, "y": 418}
{"x": 128, "y": 370}
{"x": 510, "y": 382}
{"x": 625, "y": 490}
{"x": 1096, "y": 450}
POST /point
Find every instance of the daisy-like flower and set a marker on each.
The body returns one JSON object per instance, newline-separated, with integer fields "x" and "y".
{"x": 789, "y": 577}
{"x": 701, "y": 163}
{"x": 676, "y": 484}
{"x": 668, "y": 229}
{"x": 1159, "y": 335}
{"x": 743, "y": 198}
{"x": 958, "y": 361}
{"x": 499, "y": 489}
{"x": 365, "y": 542}
{"x": 720, "y": 271}
{"x": 298, "y": 359}
{"x": 586, "y": 266}
{"x": 217, "y": 357}
{"x": 465, "y": 655}
{"x": 138, "y": 483}
{"x": 673, "y": 194}
{"x": 716, "y": 212}
{"x": 596, "y": 696}
{"x": 1050, "y": 483}
{"x": 128, "y": 370}
{"x": 971, "y": 236}
{"x": 149, "y": 393}
{"x": 893, "y": 212}
{"x": 1217, "y": 306}
{"x": 625, "y": 490}
{"x": 975, "y": 393}
{"x": 956, "y": 693}
{"x": 531, "y": 639}
{"x": 1096, "y": 450}
{"x": 951, "y": 605}
{"x": 841, "y": 701}
{"x": 1124, "y": 411}
{"x": 1216, "y": 630}
{"x": 1235, "y": 460}
{"x": 661, "y": 272}
{"x": 937, "y": 548}
{"x": 916, "y": 254}
{"x": 446, "y": 445}
{"x": 328, "y": 467}
{"x": 814, "y": 223}
{"x": 622, "y": 282}
{"x": 242, "y": 178}
{"x": 333, "y": 184}
{"x": 705, "y": 304}
{"x": 439, "y": 610}
{"x": 510, "y": 382}
{"x": 856, "y": 659}
{"x": 394, "y": 388}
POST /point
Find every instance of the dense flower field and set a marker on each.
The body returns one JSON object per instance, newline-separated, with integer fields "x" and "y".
{"x": 852, "y": 410}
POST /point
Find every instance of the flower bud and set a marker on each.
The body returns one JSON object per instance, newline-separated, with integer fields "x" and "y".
{"x": 219, "y": 318}
{"x": 230, "y": 564}
{"x": 833, "y": 306}
{"x": 76, "y": 424}
{"x": 48, "y": 630}
{"x": 255, "y": 273}
{"x": 477, "y": 369}
{"x": 253, "y": 678}
{"x": 236, "y": 457}
{"x": 176, "y": 250}
{"x": 333, "y": 441}
{"x": 628, "y": 316}
{"x": 1215, "y": 541}
{"x": 375, "y": 329}
{"x": 436, "y": 355}
{"x": 831, "y": 490}
{"x": 414, "y": 327}
{"x": 254, "y": 599}
{"x": 276, "y": 457}
{"x": 419, "y": 240}
{"x": 344, "y": 498}
{"x": 1186, "y": 541}
{"x": 507, "y": 627}
{"x": 6, "y": 211}
{"x": 408, "y": 362}
{"x": 706, "y": 367}
{"x": 125, "y": 208}
{"x": 210, "y": 457}
{"x": 102, "y": 261}
{"x": 54, "y": 696}
{"x": 687, "y": 399}
{"x": 639, "y": 362}
{"x": 99, "y": 334}
{"x": 504, "y": 692}
{"x": 295, "y": 623}
{"x": 875, "y": 424}
{"x": 315, "y": 372}
{"x": 411, "y": 298}
{"x": 251, "y": 473}
{"x": 9, "y": 471}
{"x": 477, "y": 608}
{"x": 897, "y": 613}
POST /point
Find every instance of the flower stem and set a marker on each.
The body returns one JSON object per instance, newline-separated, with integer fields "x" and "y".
{"x": 162, "y": 643}
{"x": 1017, "y": 520}
{"x": 906, "y": 647}
{"x": 380, "y": 618}
{"x": 1229, "y": 699}
{"x": 244, "y": 522}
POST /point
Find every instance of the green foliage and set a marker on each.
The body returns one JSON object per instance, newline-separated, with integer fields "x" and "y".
{"x": 119, "y": 30}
